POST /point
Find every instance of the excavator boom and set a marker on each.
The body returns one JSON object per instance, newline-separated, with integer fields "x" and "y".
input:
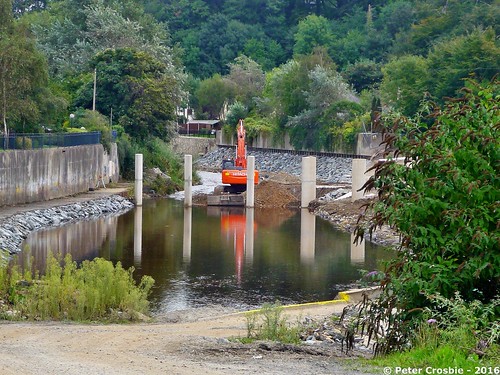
{"x": 234, "y": 173}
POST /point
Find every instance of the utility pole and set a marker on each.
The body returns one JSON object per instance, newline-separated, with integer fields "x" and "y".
{"x": 95, "y": 85}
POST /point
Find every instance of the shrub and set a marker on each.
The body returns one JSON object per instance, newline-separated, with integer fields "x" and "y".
{"x": 444, "y": 202}
{"x": 23, "y": 143}
{"x": 94, "y": 291}
{"x": 269, "y": 324}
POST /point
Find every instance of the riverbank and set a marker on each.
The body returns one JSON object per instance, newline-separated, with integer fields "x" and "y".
{"x": 17, "y": 222}
{"x": 178, "y": 344}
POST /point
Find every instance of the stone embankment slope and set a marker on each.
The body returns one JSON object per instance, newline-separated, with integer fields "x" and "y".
{"x": 328, "y": 169}
{"x": 16, "y": 223}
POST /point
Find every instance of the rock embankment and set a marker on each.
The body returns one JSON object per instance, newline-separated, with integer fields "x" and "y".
{"x": 15, "y": 229}
{"x": 328, "y": 169}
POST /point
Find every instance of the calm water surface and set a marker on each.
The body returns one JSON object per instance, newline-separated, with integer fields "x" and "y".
{"x": 209, "y": 255}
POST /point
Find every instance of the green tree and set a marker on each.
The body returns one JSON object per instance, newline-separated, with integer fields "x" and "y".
{"x": 247, "y": 80}
{"x": 326, "y": 87}
{"x": 450, "y": 62}
{"x": 363, "y": 75}
{"x": 23, "y": 74}
{"x": 405, "y": 82}
{"x": 313, "y": 31}
{"x": 443, "y": 201}
{"x": 212, "y": 95}
{"x": 138, "y": 88}
{"x": 72, "y": 33}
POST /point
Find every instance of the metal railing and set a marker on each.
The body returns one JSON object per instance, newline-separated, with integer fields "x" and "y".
{"x": 47, "y": 140}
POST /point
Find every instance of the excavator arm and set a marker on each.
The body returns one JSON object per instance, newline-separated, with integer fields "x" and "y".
{"x": 235, "y": 174}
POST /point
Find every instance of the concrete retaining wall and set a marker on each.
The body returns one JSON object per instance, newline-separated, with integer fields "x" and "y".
{"x": 36, "y": 175}
{"x": 195, "y": 146}
{"x": 367, "y": 144}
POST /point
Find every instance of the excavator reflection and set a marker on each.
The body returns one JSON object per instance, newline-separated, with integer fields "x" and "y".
{"x": 238, "y": 224}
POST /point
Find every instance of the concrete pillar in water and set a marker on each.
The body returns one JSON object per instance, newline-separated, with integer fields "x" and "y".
{"x": 249, "y": 230}
{"x": 188, "y": 228}
{"x": 188, "y": 180}
{"x": 357, "y": 250}
{"x": 250, "y": 181}
{"x": 358, "y": 178}
{"x": 138, "y": 179}
{"x": 308, "y": 178}
{"x": 138, "y": 236}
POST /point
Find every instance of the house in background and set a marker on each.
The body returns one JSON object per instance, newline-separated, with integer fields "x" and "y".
{"x": 202, "y": 127}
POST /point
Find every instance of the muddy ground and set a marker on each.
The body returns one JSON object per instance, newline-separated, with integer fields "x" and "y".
{"x": 196, "y": 344}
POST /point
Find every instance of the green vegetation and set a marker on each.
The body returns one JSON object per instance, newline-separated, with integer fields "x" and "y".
{"x": 95, "y": 290}
{"x": 268, "y": 323}
{"x": 298, "y": 67}
{"x": 454, "y": 333}
{"x": 443, "y": 200}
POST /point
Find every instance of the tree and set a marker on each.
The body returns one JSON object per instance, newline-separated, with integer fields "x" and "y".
{"x": 313, "y": 31}
{"x": 405, "y": 82}
{"x": 73, "y": 33}
{"x": 363, "y": 75}
{"x": 138, "y": 88}
{"x": 212, "y": 95}
{"x": 443, "y": 201}
{"x": 22, "y": 6}
{"x": 23, "y": 72}
{"x": 247, "y": 79}
{"x": 326, "y": 87}
{"x": 451, "y": 62}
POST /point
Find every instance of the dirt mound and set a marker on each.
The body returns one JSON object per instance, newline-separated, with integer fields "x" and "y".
{"x": 282, "y": 178}
{"x": 273, "y": 194}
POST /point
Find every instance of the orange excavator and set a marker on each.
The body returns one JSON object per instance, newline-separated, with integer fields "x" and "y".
{"x": 234, "y": 172}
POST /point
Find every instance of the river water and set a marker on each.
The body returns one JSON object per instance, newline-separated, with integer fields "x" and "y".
{"x": 202, "y": 256}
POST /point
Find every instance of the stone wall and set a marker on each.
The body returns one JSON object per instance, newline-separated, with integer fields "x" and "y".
{"x": 195, "y": 146}
{"x": 36, "y": 175}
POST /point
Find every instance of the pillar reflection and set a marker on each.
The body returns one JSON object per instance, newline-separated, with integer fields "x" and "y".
{"x": 249, "y": 235}
{"x": 307, "y": 236}
{"x": 357, "y": 250}
{"x": 138, "y": 235}
{"x": 188, "y": 229}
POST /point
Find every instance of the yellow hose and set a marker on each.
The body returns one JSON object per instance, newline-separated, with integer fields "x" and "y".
{"x": 344, "y": 297}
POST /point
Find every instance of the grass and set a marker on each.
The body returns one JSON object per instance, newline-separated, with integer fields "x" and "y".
{"x": 269, "y": 323}
{"x": 94, "y": 291}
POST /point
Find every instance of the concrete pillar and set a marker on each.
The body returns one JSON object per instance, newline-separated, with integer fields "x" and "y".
{"x": 138, "y": 179}
{"x": 357, "y": 250}
{"x": 358, "y": 178}
{"x": 251, "y": 182}
{"x": 308, "y": 178}
{"x": 188, "y": 180}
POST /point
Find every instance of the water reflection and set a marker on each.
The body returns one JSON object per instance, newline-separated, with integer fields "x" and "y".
{"x": 138, "y": 236}
{"x": 188, "y": 230}
{"x": 206, "y": 255}
{"x": 307, "y": 236}
{"x": 83, "y": 240}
